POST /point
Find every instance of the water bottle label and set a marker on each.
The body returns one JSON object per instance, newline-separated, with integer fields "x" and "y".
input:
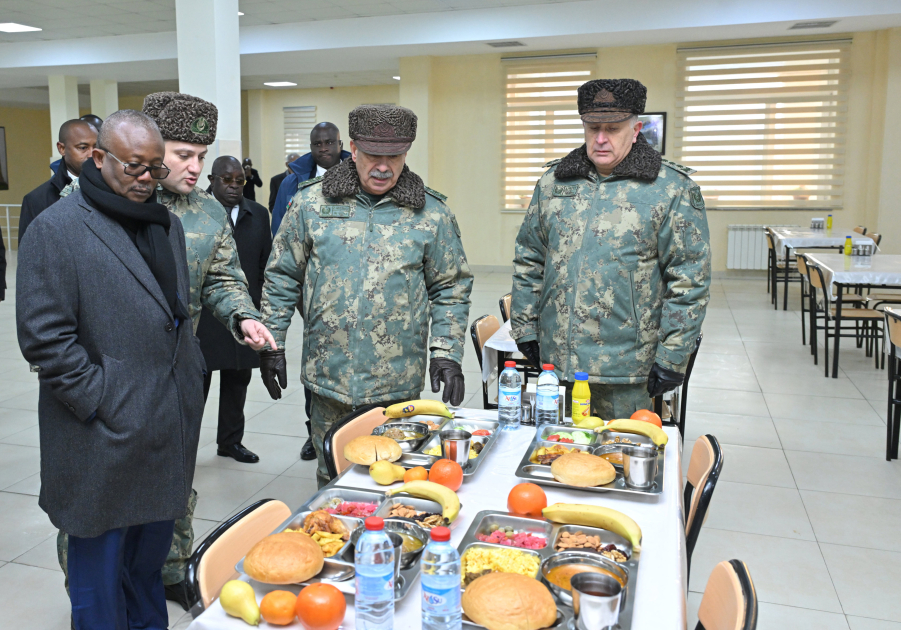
{"x": 441, "y": 601}
{"x": 548, "y": 402}
{"x": 510, "y": 397}
{"x": 375, "y": 588}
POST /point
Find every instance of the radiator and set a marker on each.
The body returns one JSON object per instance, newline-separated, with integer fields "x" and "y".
{"x": 747, "y": 246}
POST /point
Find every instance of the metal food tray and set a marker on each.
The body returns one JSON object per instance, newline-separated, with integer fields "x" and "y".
{"x": 541, "y": 473}
{"x": 345, "y": 557}
{"x": 541, "y": 527}
{"x": 419, "y": 458}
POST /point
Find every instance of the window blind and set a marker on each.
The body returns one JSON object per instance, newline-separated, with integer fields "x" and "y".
{"x": 298, "y": 123}
{"x": 541, "y": 120}
{"x": 765, "y": 125}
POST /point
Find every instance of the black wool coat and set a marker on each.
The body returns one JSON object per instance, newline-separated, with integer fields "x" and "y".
{"x": 254, "y": 241}
{"x": 121, "y": 387}
{"x": 274, "y": 184}
{"x": 42, "y": 198}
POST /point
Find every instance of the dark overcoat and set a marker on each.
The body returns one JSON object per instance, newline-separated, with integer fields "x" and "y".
{"x": 95, "y": 321}
{"x": 42, "y": 198}
{"x": 254, "y": 241}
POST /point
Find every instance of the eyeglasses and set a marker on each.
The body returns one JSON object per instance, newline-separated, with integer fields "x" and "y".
{"x": 135, "y": 169}
{"x": 320, "y": 143}
{"x": 228, "y": 181}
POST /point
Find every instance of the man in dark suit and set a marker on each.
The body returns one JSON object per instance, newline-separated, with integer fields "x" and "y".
{"x": 252, "y": 179}
{"x": 250, "y": 227}
{"x": 106, "y": 321}
{"x": 277, "y": 180}
{"x": 75, "y": 142}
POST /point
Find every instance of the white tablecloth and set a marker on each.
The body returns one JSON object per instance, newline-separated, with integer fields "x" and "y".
{"x": 661, "y": 587}
{"x": 501, "y": 340}
{"x": 799, "y": 238}
{"x": 883, "y": 269}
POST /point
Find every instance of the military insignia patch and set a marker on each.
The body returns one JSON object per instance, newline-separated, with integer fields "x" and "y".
{"x": 435, "y": 193}
{"x": 697, "y": 199}
{"x": 335, "y": 212}
{"x": 565, "y": 191}
{"x": 456, "y": 227}
{"x": 200, "y": 125}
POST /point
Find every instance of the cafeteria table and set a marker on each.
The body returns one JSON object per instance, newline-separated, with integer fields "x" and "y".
{"x": 660, "y": 598}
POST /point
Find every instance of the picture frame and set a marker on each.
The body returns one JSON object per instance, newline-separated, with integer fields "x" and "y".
{"x": 4, "y": 170}
{"x": 654, "y": 130}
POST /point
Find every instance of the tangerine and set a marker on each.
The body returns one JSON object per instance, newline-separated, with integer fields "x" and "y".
{"x": 644, "y": 415}
{"x": 448, "y": 473}
{"x": 320, "y": 606}
{"x": 526, "y": 499}
{"x": 277, "y": 607}
{"x": 416, "y": 474}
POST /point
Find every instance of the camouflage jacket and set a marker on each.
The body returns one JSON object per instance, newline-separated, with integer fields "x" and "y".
{"x": 612, "y": 274}
{"x": 371, "y": 276}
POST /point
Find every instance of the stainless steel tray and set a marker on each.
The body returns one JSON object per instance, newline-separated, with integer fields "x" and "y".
{"x": 338, "y": 563}
{"x": 540, "y": 527}
{"x": 541, "y": 474}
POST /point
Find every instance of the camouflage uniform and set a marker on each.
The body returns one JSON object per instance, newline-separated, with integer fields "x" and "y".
{"x": 372, "y": 275}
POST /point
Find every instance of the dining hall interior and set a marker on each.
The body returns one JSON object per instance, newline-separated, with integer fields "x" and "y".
{"x": 774, "y": 499}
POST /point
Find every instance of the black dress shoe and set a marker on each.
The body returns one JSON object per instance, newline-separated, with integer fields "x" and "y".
{"x": 238, "y": 453}
{"x": 308, "y": 452}
{"x": 177, "y": 593}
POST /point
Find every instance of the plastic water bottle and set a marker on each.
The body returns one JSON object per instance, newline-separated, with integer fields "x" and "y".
{"x": 547, "y": 399}
{"x": 509, "y": 401}
{"x": 374, "y": 564}
{"x": 440, "y": 576}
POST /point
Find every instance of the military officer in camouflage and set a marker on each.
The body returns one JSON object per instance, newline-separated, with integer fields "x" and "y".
{"x": 612, "y": 263}
{"x": 377, "y": 255}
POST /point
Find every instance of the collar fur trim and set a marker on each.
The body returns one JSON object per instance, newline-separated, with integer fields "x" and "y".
{"x": 642, "y": 163}
{"x": 343, "y": 181}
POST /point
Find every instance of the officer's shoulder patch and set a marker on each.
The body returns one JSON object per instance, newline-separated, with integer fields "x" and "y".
{"x": 456, "y": 225}
{"x": 697, "y": 199}
{"x": 565, "y": 190}
{"x": 685, "y": 170}
{"x": 434, "y": 193}
{"x": 335, "y": 212}
{"x": 553, "y": 163}
{"x": 309, "y": 182}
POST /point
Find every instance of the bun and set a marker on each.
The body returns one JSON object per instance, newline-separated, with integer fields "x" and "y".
{"x": 368, "y": 449}
{"x": 509, "y": 601}
{"x": 582, "y": 470}
{"x": 286, "y": 558}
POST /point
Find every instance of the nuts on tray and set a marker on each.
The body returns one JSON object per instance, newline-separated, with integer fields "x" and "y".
{"x": 402, "y": 511}
{"x": 584, "y": 541}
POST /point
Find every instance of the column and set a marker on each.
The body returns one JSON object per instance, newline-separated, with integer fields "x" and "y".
{"x": 104, "y": 97}
{"x": 415, "y": 77}
{"x": 255, "y": 134}
{"x": 63, "y": 106}
{"x": 209, "y": 66}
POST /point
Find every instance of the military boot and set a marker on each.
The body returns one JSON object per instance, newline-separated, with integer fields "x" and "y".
{"x": 308, "y": 452}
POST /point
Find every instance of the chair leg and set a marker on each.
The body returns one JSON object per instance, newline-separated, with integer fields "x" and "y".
{"x": 803, "y": 313}
{"x": 826, "y": 343}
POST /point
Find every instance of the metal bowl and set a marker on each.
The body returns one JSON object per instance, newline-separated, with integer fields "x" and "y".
{"x": 400, "y": 525}
{"x": 407, "y": 445}
{"x": 580, "y": 557}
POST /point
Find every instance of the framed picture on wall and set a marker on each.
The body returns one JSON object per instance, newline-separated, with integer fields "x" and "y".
{"x": 4, "y": 171}
{"x": 654, "y": 130}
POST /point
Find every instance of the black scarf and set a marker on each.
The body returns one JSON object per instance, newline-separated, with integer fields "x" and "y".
{"x": 147, "y": 224}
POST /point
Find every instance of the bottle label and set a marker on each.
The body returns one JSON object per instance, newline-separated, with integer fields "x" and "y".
{"x": 510, "y": 397}
{"x": 375, "y": 588}
{"x": 440, "y": 601}
{"x": 547, "y": 402}
{"x": 581, "y": 409}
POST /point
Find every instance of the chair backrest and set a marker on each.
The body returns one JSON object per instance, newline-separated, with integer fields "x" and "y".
{"x": 815, "y": 275}
{"x": 505, "y": 306}
{"x": 360, "y": 422}
{"x": 769, "y": 239}
{"x": 893, "y": 323}
{"x": 730, "y": 600}
{"x": 213, "y": 562}
{"x": 704, "y": 469}
{"x": 802, "y": 265}
{"x": 481, "y": 331}
{"x": 877, "y": 238}
{"x": 860, "y": 229}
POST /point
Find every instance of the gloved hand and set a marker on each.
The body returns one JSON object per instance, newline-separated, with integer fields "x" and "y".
{"x": 274, "y": 371}
{"x": 441, "y": 369}
{"x": 532, "y": 351}
{"x": 662, "y": 380}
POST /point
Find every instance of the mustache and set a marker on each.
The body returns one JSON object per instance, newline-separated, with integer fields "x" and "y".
{"x": 376, "y": 174}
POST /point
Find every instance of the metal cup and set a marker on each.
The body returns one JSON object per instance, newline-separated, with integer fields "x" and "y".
{"x": 398, "y": 541}
{"x": 455, "y": 445}
{"x": 527, "y": 419}
{"x": 596, "y": 601}
{"x": 639, "y": 466}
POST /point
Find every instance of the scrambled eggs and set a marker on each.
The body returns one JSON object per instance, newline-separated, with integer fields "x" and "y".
{"x": 477, "y": 561}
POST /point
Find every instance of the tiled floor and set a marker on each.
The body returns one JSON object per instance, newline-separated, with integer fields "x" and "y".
{"x": 806, "y": 497}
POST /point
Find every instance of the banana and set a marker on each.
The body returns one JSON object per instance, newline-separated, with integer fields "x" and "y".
{"x": 418, "y": 407}
{"x": 657, "y": 435}
{"x": 450, "y": 502}
{"x": 595, "y": 516}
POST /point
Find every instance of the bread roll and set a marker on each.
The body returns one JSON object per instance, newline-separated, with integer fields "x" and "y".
{"x": 286, "y": 558}
{"x": 509, "y": 601}
{"x": 368, "y": 449}
{"x": 583, "y": 470}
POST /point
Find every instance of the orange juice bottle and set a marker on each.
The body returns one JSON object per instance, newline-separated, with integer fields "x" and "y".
{"x": 581, "y": 398}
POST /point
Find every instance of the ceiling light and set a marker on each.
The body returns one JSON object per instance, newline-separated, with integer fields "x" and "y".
{"x": 509, "y": 44}
{"x": 813, "y": 24}
{"x": 396, "y": 78}
{"x": 12, "y": 27}
{"x": 280, "y": 84}
{"x": 240, "y": 14}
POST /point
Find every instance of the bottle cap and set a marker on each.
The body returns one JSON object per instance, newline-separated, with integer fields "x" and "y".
{"x": 440, "y": 534}
{"x": 581, "y": 376}
{"x": 548, "y": 366}
{"x": 374, "y": 524}
{"x": 510, "y": 364}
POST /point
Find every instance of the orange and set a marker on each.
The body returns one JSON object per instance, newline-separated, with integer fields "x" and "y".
{"x": 647, "y": 416}
{"x": 416, "y": 474}
{"x": 320, "y": 606}
{"x": 526, "y": 499}
{"x": 277, "y": 607}
{"x": 447, "y": 473}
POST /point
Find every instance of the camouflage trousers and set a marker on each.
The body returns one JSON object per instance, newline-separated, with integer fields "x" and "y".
{"x": 179, "y": 552}
{"x": 612, "y": 402}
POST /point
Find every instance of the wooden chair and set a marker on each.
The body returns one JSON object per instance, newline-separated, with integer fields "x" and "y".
{"x": 360, "y": 421}
{"x": 876, "y": 236}
{"x": 730, "y": 600}
{"x": 704, "y": 469}
{"x": 481, "y": 331}
{"x": 213, "y": 562}
{"x": 504, "y": 304}
{"x": 775, "y": 265}
{"x": 861, "y": 230}
{"x": 679, "y": 421}
{"x": 893, "y": 419}
{"x": 805, "y": 296}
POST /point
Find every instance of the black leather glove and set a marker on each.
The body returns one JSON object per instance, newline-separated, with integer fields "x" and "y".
{"x": 441, "y": 369}
{"x": 532, "y": 351}
{"x": 662, "y": 380}
{"x": 274, "y": 372}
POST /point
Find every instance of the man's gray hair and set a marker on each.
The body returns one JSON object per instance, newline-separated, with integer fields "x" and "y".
{"x": 124, "y": 116}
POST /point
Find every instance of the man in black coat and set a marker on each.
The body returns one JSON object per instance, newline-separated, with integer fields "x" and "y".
{"x": 277, "y": 180}
{"x": 75, "y": 142}
{"x": 250, "y": 225}
{"x": 252, "y": 178}
{"x": 105, "y": 318}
